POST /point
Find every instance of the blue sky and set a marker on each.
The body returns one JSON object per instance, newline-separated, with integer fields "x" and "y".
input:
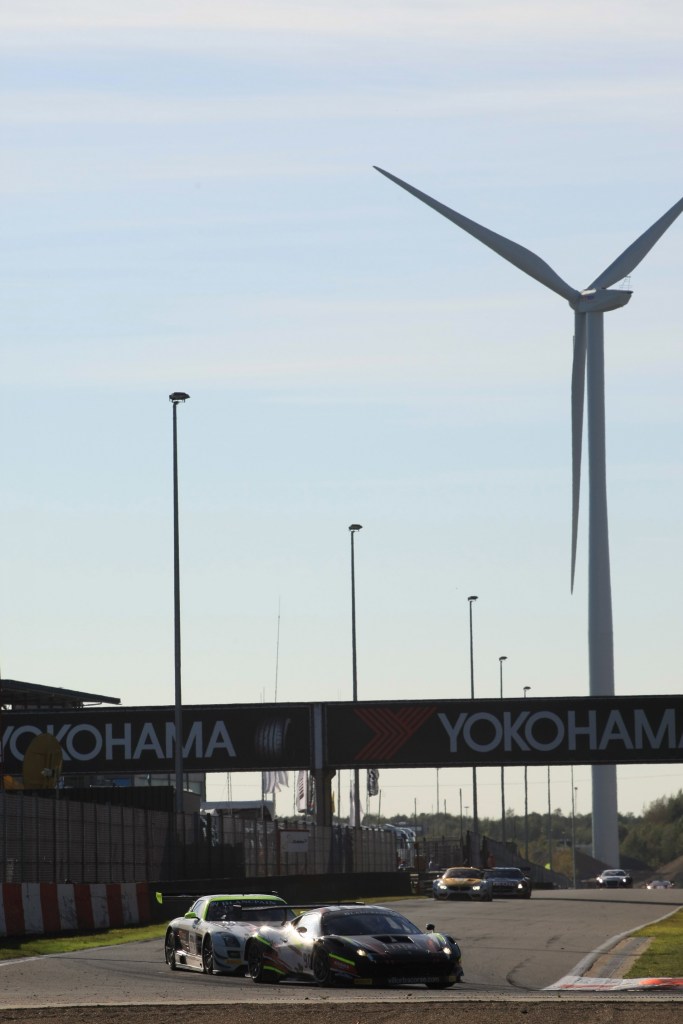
{"x": 189, "y": 204}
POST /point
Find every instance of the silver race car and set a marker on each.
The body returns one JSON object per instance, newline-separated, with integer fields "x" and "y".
{"x": 614, "y": 878}
{"x": 212, "y": 935}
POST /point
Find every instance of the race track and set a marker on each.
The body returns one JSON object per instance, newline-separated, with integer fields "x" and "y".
{"x": 512, "y": 950}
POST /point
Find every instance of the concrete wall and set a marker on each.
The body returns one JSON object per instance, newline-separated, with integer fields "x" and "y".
{"x": 43, "y": 908}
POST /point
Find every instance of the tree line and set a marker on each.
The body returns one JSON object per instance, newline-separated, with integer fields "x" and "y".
{"x": 654, "y": 838}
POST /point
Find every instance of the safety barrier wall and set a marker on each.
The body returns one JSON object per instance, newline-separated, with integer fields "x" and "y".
{"x": 42, "y": 908}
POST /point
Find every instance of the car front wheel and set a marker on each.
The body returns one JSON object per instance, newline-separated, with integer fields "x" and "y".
{"x": 256, "y": 968}
{"x": 207, "y": 956}
{"x": 169, "y": 950}
{"x": 321, "y": 967}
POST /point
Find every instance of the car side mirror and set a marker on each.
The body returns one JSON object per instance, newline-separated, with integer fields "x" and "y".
{"x": 191, "y": 914}
{"x": 429, "y": 928}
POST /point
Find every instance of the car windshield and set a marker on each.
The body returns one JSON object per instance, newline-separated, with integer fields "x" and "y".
{"x": 463, "y": 873}
{"x": 613, "y": 871}
{"x": 372, "y": 923}
{"x": 504, "y": 873}
{"x": 256, "y": 911}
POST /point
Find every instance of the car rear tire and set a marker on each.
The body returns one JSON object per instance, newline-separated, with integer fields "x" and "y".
{"x": 207, "y": 956}
{"x": 256, "y": 968}
{"x": 321, "y": 967}
{"x": 169, "y": 950}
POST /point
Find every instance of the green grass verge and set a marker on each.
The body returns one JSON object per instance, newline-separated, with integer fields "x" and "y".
{"x": 13, "y": 949}
{"x": 663, "y": 958}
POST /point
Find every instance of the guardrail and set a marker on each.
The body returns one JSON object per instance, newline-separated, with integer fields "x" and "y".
{"x": 44, "y": 908}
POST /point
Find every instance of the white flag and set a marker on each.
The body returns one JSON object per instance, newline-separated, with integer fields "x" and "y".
{"x": 301, "y": 792}
{"x": 272, "y": 782}
{"x": 355, "y": 810}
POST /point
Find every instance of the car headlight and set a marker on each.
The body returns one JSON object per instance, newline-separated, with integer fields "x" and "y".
{"x": 476, "y": 888}
{"x": 441, "y": 885}
{"x": 447, "y": 950}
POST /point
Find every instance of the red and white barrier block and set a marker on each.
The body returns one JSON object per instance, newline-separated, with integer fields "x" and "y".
{"x": 42, "y": 908}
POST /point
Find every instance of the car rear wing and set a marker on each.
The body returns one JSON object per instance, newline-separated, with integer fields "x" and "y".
{"x": 162, "y": 897}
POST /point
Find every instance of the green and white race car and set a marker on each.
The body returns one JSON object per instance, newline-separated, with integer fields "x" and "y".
{"x": 212, "y": 935}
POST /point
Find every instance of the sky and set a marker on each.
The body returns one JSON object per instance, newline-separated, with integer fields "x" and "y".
{"x": 189, "y": 204}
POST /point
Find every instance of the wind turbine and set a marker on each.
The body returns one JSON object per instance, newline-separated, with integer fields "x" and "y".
{"x": 588, "y": 371}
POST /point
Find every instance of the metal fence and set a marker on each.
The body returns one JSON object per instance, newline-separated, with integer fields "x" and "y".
{"x": 54, "y": 839}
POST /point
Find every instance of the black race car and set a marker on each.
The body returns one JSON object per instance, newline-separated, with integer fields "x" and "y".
{"x": 360, "y": 945}
{"x": 509, "y": 882}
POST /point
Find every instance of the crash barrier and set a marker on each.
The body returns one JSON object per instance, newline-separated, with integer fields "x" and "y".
{"x": 43, "y": 908}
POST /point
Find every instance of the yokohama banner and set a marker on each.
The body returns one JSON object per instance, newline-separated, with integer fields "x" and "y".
{"x": 396, "y": 734}
{"x": 602, "y": 730}
{"x": 216, "y": 738}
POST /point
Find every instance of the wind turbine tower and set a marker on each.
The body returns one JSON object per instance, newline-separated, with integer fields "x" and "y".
{"x": 588, "y": 375}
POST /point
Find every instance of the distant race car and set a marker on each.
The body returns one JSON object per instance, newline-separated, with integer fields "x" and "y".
{"x": 211, "y": 936}
{"x": 659, "y": 883}
{"x": 614, "y": 878}
{"x": 509, "y": 882}
{"x": 360, "y": 945}
{"x": 463, "y": 883}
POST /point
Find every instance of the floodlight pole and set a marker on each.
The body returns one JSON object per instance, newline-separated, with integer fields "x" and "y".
{"x": 353, "y": 529}
{"x": 501, "y": 659}
{"x": 475, "y": 814}
{"x": 175, "y": 399}
{"x": 526, "y": 801}
{"x": 573, "y": 828}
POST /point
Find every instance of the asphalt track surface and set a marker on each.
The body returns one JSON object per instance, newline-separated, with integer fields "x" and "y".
{"x": 512, "y": 950}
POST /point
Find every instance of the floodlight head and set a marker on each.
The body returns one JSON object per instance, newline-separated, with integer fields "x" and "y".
{"x": 503, "y": 657}
{"x": 473, "y": 597}
{"x": 178, "y": 396}
{"x": 354, "y": 527}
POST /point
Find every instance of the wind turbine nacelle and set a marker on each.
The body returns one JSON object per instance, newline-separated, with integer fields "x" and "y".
{"x": 600, "y": 300}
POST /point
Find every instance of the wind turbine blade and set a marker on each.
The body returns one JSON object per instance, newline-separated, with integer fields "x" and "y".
{"x": 578, "y": 386}
{"x": 631, "y": 257}
{"x": 516, "y": 254}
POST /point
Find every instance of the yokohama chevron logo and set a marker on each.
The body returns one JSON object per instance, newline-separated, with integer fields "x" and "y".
{"x": 391, "y": 730}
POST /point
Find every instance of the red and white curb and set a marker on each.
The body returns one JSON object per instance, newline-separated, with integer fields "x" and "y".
{"x": 574, "y": 982}
{"x": 41, "y": 908}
